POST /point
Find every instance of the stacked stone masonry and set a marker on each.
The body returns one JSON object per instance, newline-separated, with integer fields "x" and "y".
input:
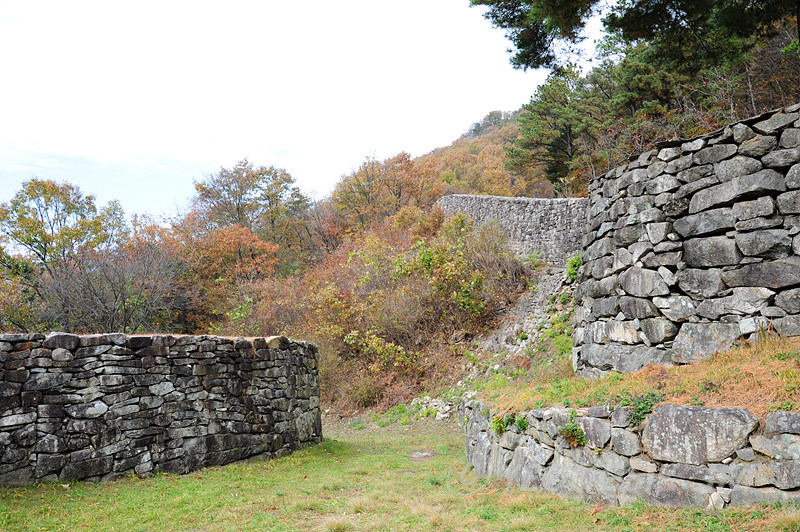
{"x": 552, "y": 227}
{"x": 103, "y": 406}
{"x": 692, "y": 246}
{"x": 679, "y": 456}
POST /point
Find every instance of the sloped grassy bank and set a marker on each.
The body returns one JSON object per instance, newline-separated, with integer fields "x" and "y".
{"x": 724, "y": 431}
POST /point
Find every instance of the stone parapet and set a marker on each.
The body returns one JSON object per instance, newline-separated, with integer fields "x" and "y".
{"x": 103, "y": 406}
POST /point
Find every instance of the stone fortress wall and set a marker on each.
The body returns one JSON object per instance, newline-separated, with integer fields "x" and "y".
{"x": 692, "y": 246}
{"x": 687, "y": 249}
{"x": 553, "y": 227}
{"x": 103, "y": 406}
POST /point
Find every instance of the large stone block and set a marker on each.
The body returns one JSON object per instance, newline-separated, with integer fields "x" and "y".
{"x": 705, "y": 222}
{"x": 711, "y": 252}
{"x": 698, "y": 341}
{"x": 789, "y": 300}
{"x": 696, "y": 435}
{"x": 747, "y": 210}
{"x": 635, "y": 307}
{"x": 769, "y": 244}
{"x": 789, "y": 202}
{"x": 775, "y": 123}
{"x": 776, "y": 274}
{"x": 565, "y": 477}
{"x": 664, "y": 491}
{"x": 625, "y": 359}
{"x": 743, "y": 301}
{"x": 62, "y": 340}
{"x": 701, "y": 284}
{"x": 756, "y": 147}
{"x": 757, "y": 184}
{"x": 639, "y": 282}
{"x": 747, "y": 496}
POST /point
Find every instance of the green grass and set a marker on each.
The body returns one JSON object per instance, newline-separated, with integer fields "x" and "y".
{"x": 365, "y": 479}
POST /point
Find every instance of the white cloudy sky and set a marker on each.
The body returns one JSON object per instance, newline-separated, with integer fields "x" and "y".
{"x": 133, "y": 100}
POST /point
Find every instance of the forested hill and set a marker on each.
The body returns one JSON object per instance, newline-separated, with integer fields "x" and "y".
{"x": 475, "y": 163}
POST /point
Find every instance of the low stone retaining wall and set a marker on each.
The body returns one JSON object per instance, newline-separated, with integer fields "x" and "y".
{"x": 103, "y": 406}
{"x": 555, "y": 228}
{"x": 679, "y": 456}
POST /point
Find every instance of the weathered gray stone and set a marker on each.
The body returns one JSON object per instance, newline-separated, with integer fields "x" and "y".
{"x": 711, "y": 252}
{"x": 90, "y": 410}
{"x": 705, "y": 222}
{"x": 664, "y": 491}
{"x": 658, "y": 330}
{"x": 758, "y": 146}
{"x": 787, "y": 475}
{"x": 771, "y": 243}
{"x": 693, "y": 145}
{"x": 103, "y": 339}
{"x": 747, "y": 454}
{"x": 747, "y": 496}
{"x": 668, "y": 154}
{"x": 645, "y": 466}
{"x": 17, "y": 419}
{"x": 781, "y": 158}
{"x": 714, "y": 154}
{"x": 607, "y": 306}
{"x": 634, "y": 307}
{"x": 639, "y": 282}
{"x": 46, "y": 381}
{"x": 789, "y": 301}
{"x": 755, "y": 474}
{"x": 698, "y": 173}
{"x": 696, "y": 435}
{"x": 759, "y": 183}
{"x": 622, "y": 331}
{"x": 776, "y": 274}
{"x": 782, "y": 422}
{"x": 774, "y": 123}
{"x": 62, "y": 340}
{"x": 699, "y": 341}
{"x": 621, "y": 416}
{"x": 660, "y": 260}
{"x": 755, "y": 224}
{"x": 711, "y": 474}
{"x": 625, "y": 442}
{"x": 676, "y": 308}
{"x": 793, "y": 177}
{"x": 662, "y": 183}
{"x": 787, "y": 326}
{"x": 597, "y": 431}
{"x": 743, "y": 301}
{"x": 789, "y": 202}
{"x": 790, "y": 138}
{"x": 701, "y": 284}
{"x": 777, "y": 447}
{"x": 567, "y": 478}
{"x": 741, "y": 133}
{"x": 625, "y": 359}
{"x": 747, "y": 210}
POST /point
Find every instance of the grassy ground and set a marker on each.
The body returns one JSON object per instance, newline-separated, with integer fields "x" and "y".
{"x": 364, "y": 477}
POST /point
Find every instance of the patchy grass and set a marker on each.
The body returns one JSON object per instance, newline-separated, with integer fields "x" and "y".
{"x": 762, "y": 376}
{"x": 397, "y": 477}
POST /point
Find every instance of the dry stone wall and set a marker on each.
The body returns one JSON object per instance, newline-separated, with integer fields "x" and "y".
{"x": 692, "y": 246}
{"x": 553, "y": 227}
{"x": 103, "y": 406}
{"x": 680, "y": 456}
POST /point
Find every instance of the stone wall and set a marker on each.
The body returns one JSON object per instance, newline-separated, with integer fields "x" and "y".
{"x": 103, "y": 406}
{"x": 554, "y": 227}
{"x": 691, "y": 246}
{"x": 679, "y": 456}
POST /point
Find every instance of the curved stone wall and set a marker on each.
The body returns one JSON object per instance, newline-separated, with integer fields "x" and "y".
{"x": 554, "y": 227}
{"x": 692, "y": 246}
{"x": 103, "y": 406}
{"x": 680, "y": 456}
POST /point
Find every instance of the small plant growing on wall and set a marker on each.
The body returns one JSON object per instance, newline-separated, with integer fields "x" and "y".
{"x": 521, "y": 422}
{"x": 641, "y": 405}
{"x": 573, "y": 263}
{"x": 572, "y": 434}
{"x": 501, "y": 422}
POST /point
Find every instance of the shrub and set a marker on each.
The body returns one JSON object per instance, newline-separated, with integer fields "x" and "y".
{"x": 573, "y": 263}
{"x": 572, "y": 434}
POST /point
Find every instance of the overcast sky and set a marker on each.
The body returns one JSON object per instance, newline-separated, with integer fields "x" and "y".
{"x": 133, "y": 100}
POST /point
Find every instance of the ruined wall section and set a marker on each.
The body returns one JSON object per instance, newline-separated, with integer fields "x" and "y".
{"x": 692, "y": 246}
{"x": 103, "y": 406}
{"x": 553, "y": 227}
{"x": 678, "y": 456}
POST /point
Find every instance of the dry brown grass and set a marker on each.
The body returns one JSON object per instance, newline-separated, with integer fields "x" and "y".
{"x": 761, "y": 376}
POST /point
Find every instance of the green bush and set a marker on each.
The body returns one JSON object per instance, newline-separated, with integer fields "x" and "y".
{"x": 573, "y": 263}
